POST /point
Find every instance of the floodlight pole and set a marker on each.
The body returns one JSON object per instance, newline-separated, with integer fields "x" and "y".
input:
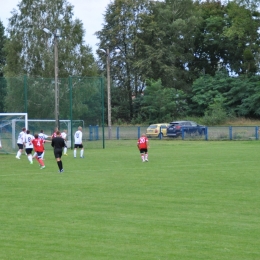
{"x": 57, "y": 110}
{"x": 56, "y": 35}
{"x": 108, "y": 96}
{"x": 109, "y": 121}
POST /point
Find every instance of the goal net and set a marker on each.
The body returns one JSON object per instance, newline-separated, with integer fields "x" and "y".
{"x": 47, "y": 126}
{"x": 11, "y": 125}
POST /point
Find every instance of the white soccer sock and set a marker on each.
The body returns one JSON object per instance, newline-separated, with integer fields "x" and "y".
{"x": 18, "y": 154}
{"x": 81, "y": 153}
{"x": 65, "y": 150}
{"x": 30, "y": 158}
{"x": 75, "y": 153}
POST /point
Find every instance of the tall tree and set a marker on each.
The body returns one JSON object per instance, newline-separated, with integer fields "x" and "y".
{"x": 120, "y": 32}
{"x": 227, "y": 37}
{"x": 2, "y": 52}
{"x": 168, "y": 37}
{"x": 2, "y": 65}
{"x": 242, "y": 30}
{"x": 30, "y": 50}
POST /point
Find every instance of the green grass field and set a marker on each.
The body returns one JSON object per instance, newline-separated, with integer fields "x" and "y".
{"x": 192, "y": 200}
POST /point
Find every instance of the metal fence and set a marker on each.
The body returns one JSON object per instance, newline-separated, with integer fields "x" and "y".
{"x": 217, "y": 133}
{"x": 79, "y": 98}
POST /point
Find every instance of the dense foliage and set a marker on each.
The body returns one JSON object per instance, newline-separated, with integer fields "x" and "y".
{"x": 2, "y": 64}
{"x": 30, "y": 51}
{"x": 173, "y": 53}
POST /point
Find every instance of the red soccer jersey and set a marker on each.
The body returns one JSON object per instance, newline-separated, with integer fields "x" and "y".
{"x": 38, "y": 145}
{"x": 143, "y": 142}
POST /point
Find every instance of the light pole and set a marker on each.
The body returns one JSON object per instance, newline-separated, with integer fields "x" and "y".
{"x": 109, "y": 123}
{"x": 56, "y": 35}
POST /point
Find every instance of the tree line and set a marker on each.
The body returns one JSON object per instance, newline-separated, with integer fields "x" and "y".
{"x": 168, "y": 59}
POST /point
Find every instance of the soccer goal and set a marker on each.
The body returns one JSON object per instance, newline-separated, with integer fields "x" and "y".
{"x": 11, "y": 125}
{"x": 47, "y": 126}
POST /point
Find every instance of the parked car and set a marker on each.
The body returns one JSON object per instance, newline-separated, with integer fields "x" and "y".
{"x": 154, "y": 130}
{"x": 189, "y": 127}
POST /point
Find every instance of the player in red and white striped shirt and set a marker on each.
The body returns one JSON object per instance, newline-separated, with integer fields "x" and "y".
{"x": 143, "y": 146}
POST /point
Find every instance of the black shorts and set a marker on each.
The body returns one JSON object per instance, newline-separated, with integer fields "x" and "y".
{"x": 57, "y": 153}
{"x": 39, "y": 155}
{"x": 78, "y": 145}
{"x": 28, "y": 150}
{"x": 143, "y": 150}
{"x": 20, "y": 146}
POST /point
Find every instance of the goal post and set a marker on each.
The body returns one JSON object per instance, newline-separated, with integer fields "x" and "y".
{"x": 9, "y": 129}
{"x": 11, "y": 125}
{"x": 47, "y": 125}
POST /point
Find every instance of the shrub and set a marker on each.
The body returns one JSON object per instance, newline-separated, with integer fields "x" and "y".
{"x": 215, "y": 115}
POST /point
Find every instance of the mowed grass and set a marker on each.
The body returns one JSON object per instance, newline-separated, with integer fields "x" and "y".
{"x": 192, "y": 200}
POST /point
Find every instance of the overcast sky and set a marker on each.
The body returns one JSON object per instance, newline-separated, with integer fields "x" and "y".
{"x": 90, "y": 12}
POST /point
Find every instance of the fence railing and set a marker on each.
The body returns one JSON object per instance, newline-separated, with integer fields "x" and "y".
{"x": 211, "y": 133}
{"x": 94, "y": 135}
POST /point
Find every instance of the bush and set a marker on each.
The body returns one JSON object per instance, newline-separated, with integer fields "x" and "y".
{"x": 215, "y": 115}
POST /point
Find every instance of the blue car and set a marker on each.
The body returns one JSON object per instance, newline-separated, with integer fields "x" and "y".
{"x": 189, "y": 127}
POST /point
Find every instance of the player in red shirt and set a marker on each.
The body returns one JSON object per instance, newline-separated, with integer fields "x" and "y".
{"x": 143, "y": 146}
{"x": 38, "y": 145}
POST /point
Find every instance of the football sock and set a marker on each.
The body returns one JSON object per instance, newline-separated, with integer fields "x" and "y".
{"x": 65, "y": 150}
{"x": 40, "y": 161}
{"x": 59, "y": 164}
{"x": 30, "y": 158}
{"x": 81, "y": 153}
{"x": 75, "y": 153}
{"x": 18, "y": 154}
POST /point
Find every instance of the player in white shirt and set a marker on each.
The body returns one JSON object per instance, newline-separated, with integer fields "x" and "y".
{"x": 20, "y": 143}
{"x": 43, "y": 137}
{"x": 64, "y": 136}
{"x": 29, "y": 146}
{"x": 78, "y": 143}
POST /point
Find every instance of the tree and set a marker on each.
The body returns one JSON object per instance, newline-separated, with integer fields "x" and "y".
{"x": 2, "y": 65}
{"x": 30, "y": 50}
{"x": 208, "y": 90}
{"x": 120, "y": 32}
{"x": 237, "y": 96}
{"x": 162, "y": 104}
{"x": 167, "y": 43}
{"x": 227, "y": 38}
{"x": 242, "y": 29}
{"x": 243, "y": 96}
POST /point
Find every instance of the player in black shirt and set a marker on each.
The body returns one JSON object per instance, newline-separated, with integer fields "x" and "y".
{"x": 58, "y": 144}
